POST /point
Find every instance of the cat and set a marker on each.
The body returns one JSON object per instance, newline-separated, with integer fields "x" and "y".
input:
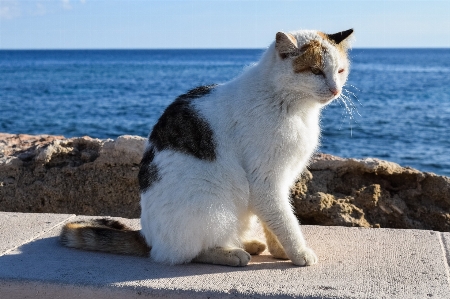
{"x": 222, "y": 154}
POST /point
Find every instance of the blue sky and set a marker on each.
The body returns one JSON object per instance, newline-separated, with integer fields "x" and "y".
{"x": 122, "y": 24}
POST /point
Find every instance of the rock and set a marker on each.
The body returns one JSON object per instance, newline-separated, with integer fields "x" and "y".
{"x": 89, "y": 176}
{"x": 371, "y": 193}
{"x": 83, "y": 175}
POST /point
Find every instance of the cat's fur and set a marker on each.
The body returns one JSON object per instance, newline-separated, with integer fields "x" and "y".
{"x": 221, "y": 154}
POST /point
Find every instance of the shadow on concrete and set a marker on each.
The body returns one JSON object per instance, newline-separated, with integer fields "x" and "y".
{"x": 46, "y": 260}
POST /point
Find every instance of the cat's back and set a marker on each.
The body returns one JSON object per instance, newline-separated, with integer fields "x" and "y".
{"x": 189, "y": 140}
{"x": 183, "y": 128}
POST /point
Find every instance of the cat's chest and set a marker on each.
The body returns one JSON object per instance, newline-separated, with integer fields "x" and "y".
{"x": 292, "y": 139}
{"x": 283, "y": 149}
{"x": 298, "y": 135}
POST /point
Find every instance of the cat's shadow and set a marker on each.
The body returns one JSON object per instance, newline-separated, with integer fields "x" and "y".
{"x": 46, "y": 260}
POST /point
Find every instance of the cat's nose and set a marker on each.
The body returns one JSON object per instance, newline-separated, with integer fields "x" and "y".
{"x": 334, "y": 91}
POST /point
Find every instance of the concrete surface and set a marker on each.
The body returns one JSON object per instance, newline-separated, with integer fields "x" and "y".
{"x": 353, "y": 263}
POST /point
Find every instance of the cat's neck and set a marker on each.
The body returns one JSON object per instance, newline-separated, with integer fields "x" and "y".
{"x": 258, "y": 83}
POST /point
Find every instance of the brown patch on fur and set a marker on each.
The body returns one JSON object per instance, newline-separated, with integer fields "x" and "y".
{"x": 73, "y": 225}
{"x": 323, "y": 35}
{"x": 311, "y": 57}
{"x": 104, "y": 235}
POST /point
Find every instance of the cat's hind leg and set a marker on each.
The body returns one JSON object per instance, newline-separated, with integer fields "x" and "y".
{"x": 236, "y": 257}
{"x": 275, "y": 248}
{"x": 248, "y": 222}
{"x": 254, "y": 247}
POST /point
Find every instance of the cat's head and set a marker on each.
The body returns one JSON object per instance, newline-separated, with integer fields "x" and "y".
{"x": 313, "y": 63}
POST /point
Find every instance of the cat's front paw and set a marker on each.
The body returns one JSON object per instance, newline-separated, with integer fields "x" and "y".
{"x": 238, "y": 258}
{"x": 305, "y": 257}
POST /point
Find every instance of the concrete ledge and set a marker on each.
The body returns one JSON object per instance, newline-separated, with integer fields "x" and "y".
{"x": 354, "y": 263}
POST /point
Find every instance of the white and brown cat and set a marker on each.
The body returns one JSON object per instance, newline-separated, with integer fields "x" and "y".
{"x": 221, "y": 154}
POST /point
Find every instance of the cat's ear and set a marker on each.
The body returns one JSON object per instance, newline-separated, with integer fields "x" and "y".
{"x": 286, "y": 44}
{"x": 340, "y": 36}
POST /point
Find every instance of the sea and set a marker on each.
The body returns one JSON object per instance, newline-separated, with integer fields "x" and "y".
{"x": 396, "y": 103}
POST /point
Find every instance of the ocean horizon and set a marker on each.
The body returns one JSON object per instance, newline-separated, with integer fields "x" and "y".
{"x": 396, "y": 105}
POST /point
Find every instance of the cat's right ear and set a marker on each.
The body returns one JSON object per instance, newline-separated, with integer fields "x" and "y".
{"x": 286, "y": 45}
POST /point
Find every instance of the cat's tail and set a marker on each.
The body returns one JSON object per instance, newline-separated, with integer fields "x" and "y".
{"x": 104, "y": 235}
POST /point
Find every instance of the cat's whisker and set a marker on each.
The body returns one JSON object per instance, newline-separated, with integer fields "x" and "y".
{"x": 351, "y": 93}
{"x": 354, "y": 106}
{"x": 344, "y": 112}
{"x": 349, "y": 113}
{"x": 348, "y": 95}
{"x": 350, "y": 109}
{"x": 354, "y": 87}
{"x": 350, "y": 105}
{"x": 356, "y": 98}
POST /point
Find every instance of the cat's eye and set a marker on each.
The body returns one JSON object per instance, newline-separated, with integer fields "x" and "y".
{"x": 317, "y": 71}
{"x": 341, "y": 71}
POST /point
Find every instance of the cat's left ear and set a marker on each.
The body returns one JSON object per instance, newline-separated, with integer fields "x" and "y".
{"x": 340, "y": 36}
{"x": 286, "y": 44}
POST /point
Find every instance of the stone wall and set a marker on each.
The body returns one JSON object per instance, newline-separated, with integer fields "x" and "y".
{"x": 99, "y": 177}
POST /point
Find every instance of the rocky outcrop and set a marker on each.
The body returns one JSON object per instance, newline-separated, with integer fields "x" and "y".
{"x": 78, "y": 175}
{"x": 99, "y": 177}
{"x": 371, "y": 193}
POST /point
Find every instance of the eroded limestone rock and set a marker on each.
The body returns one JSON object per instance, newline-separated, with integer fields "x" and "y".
{"x": 371, "y": 193}
{"x": 77, "y": 175}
